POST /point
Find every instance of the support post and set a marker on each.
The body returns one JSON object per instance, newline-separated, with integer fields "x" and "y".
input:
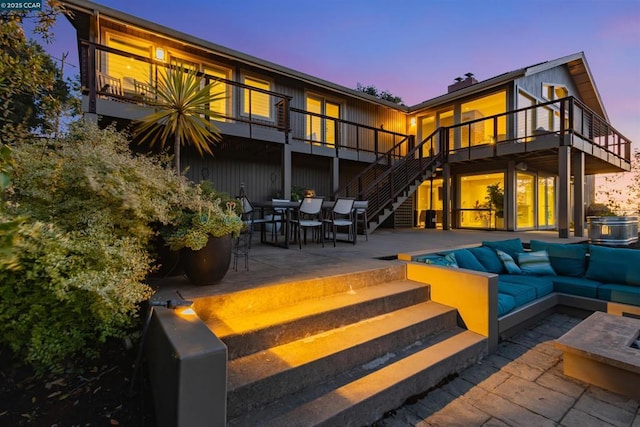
{"x": 577, "y": 168}
{"x": 564, "y": 185}
{"x": 286, "y": 171}
{"x": 446, "y": 197}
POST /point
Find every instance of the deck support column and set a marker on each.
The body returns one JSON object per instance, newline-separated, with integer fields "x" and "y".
{"x": 564, "y": 186}
{"x": 577, "y": 168}
{"x": 286, "y": 171}
{"x": 335, "y": 174}
{"x": 446, "y": 197}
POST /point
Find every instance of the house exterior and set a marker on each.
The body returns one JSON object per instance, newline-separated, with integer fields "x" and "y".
{"x": 535, "y": 137}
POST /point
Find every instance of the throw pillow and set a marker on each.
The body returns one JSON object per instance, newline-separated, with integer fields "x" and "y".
{"x": 467, "y": 260}
{"x": 511, "y": 246}
{"x": 566, "y": 259}
{"x": 508, "y": 262}
{"x": 535, "y": 263}
{"x": 448, "y": 260}
{"x": 488, "y": 258}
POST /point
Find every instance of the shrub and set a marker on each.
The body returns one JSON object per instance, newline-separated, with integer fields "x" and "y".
{"x": 83, "y": 210}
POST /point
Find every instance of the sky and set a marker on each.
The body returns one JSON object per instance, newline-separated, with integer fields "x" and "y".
{"x": 414, "y": 48}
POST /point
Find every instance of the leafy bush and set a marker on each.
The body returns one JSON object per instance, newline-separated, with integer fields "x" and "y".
{"x": 83, "y": 210}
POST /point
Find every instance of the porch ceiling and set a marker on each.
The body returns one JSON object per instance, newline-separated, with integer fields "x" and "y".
{"x": 542, "y": 160}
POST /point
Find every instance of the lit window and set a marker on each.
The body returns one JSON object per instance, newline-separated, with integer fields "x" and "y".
{"x": 322, "y": 128}
{"x": 552, "y": 92}
{"x": 254, "y": 102}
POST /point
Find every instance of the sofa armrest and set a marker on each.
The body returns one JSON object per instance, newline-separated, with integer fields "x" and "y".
{"x": 473, "y": 293}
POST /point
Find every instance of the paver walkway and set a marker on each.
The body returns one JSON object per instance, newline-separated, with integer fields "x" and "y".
{"x": 520, "y": 385}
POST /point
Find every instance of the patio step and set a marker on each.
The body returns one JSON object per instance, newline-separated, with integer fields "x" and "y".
{"x": 342, "y": 350}
{"x": 247, "y": 333}
{"x": 363, "y": 394}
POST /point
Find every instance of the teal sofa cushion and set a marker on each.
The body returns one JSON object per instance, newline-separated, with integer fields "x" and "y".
{"x": 467, "y": 260}
{"x": 521, "y": 294}
{"x": 543, "y": 285}
{"x": 511, "y": 246}
{"x": 614, "y": 265}
{"x": 488, "y": 258}
{"x": 508, "y": 262}
{"x": 506, "y": 303}
{"x": 623, "y": 294}
{"x": 424, "y": 258}
{"x": 576, "y": 286}
{"x": 535, "y": 263}
{"x": 566, "y": 259}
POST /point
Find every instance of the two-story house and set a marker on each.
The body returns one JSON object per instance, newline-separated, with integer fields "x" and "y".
{"x": 516, "y": 152}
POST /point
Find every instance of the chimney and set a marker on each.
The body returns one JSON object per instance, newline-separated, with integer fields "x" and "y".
{"x": 462, "y": 83}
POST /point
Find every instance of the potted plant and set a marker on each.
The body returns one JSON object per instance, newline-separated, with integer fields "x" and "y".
{"x": 203, "y": 232}
{"x": 495, "y": 200}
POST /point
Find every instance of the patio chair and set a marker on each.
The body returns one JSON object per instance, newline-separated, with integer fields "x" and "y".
{"x": 278, "y": 218}
{"x": 107, "y": 84}
{"x": 360, "y": 213}
{"x": 242, "y": 245}
{"x": 342, "y": 215}
{"x": 309, "y": 215}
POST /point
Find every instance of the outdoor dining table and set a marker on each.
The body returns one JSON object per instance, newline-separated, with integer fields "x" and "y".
{"x": 287, "y": 207}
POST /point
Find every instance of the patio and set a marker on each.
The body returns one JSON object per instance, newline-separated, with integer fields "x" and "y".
{"x": 522, "y": 384}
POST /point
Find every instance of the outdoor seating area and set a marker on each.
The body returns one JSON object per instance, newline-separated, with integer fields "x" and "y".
{"x": 579, "y": 275}
{"x": 282, "y": 222}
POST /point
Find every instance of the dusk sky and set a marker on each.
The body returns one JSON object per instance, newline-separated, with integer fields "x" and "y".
{"x": 415, "y": 48}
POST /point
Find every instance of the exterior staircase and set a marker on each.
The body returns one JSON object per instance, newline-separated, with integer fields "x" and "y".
{"x": 394, "y": 176}
{"x": 341, "y": 350}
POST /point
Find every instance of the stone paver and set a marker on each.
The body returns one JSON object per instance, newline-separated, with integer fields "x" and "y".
{"x": 523, "y": 384}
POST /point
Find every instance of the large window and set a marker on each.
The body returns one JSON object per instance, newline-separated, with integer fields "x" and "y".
{"x": 552, "y": 91}
{"x": 222, "y": 90}
{"x": 427, "y": 126}
{"x": 525, "y": 202}
{"x": 484, "y": 131}
{"x": 476, "y": 209}
{"x": 546, "y": 202}
{"x": 256, "y": 103}
{"x": 321, "y": 126}
{"x": 126, "y": 71}
{"x": 429, "y": 199}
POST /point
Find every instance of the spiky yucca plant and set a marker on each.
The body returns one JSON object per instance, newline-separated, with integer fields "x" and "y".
{"x": 181, "y": 110}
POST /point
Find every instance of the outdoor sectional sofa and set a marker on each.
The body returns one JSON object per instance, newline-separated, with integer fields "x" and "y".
{"x": 499, "y": 285}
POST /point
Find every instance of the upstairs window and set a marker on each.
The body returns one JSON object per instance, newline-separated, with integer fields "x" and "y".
{"x": 321, "y": 126}
{"x": 551, "y": 91}
{"x": 255, "y": 103}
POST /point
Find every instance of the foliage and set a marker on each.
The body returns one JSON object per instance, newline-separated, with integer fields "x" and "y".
{"x": 618, "y": 199}
{"x": 84, "y": 210}
{"x": 33, "y": 92}
{"x": 182, "y": 111}
{"x": 384, "y": 95}
{"x": 600, "y": 209}
{"x": 205, "y": 213}
{"x": 495, "y": 199}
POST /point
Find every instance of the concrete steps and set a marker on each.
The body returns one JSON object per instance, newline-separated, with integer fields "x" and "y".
{"x": 343, "y": 356}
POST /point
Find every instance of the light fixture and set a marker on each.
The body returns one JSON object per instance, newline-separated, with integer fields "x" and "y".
{"x": 413, "y": 121}
{"x": 160, "y": 54}
{"x": 521, "y": 166}
{"x": 170, "y": 304}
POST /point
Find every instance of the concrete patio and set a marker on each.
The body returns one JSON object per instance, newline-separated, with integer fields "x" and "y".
{"x": 522, "y": 384}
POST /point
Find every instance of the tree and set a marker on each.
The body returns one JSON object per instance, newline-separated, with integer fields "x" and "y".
{"x": 182, "y": 112}
{"x": 33, "y": 93}
{"x": 385, "y": 95}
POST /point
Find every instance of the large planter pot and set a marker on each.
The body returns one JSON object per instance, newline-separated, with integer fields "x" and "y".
{"x": 208, "y": 265}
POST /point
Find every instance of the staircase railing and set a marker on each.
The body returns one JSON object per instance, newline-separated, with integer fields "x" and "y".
{"x": 383, "y": 181}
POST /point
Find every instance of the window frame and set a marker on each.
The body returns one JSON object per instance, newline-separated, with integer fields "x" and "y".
{"x": 323, "y": 121}
{"x": 244, "y": 111}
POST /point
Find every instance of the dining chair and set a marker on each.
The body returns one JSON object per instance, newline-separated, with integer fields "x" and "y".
{"x": 278, "y": 217}
{"x": 342, "y": 215}
{"x": 242, "y": 245}
{"x": 360, "y": 213}
{"x": 309, "y": 215}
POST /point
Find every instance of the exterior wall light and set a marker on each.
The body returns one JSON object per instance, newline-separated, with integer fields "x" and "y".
{"x": 413, "y": 121}
{"x": 160, "y": 54}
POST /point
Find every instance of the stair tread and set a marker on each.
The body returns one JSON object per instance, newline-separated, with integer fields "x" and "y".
{"x": 240, "y": 323}
{"x": 297, "y": 410}
{"x": 263, "y": 364}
